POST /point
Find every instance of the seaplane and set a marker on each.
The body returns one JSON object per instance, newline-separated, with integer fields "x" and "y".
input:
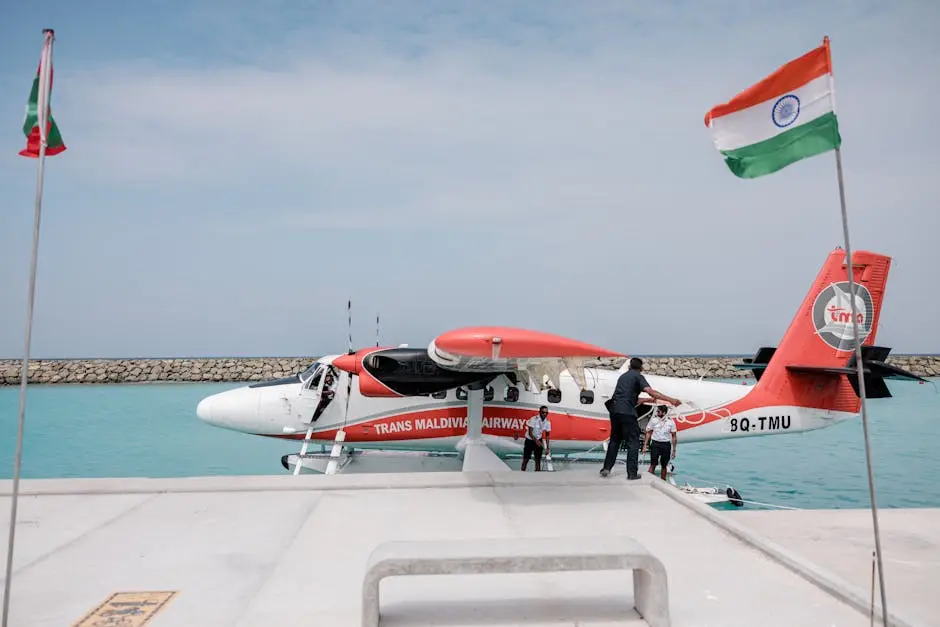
{"x": 469, "y": 394}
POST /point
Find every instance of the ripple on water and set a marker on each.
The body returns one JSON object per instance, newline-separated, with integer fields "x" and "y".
{"x": 152, "y": 430}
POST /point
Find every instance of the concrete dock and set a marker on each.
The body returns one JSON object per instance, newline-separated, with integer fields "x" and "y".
{"x": 292, "y": 550}
{"x": 842, "y": 542}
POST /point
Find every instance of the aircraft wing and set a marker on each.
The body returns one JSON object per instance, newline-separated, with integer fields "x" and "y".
{"x": 537, "y": 357}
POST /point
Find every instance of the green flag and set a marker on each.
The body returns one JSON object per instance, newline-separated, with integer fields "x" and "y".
{"x": 36, "y": 113}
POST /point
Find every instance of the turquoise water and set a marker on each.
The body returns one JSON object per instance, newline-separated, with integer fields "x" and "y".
{"x": 151, "y": 430}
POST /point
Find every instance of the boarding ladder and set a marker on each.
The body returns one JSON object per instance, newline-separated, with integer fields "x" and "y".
{"x": 336, "y": 452}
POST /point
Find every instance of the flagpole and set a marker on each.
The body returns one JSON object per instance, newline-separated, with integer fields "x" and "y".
{"x": 858, "y": 349}
{"x": 861, "y": 389}
{"x": 24, "y": 373}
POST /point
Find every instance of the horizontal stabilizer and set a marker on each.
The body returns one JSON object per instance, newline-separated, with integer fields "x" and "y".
{"x": 888, "y": 371}
{"x": 758, "y": 363}
{"x": 834, "y": 371}
{"x": 874, "y": 369}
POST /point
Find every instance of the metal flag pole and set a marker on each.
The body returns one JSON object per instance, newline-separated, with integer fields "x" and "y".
{"x": 858, "y": 350}
{"x": 861, "y": 391}
{"x": 43, "y": 119}
{"x": 872, "y": 589}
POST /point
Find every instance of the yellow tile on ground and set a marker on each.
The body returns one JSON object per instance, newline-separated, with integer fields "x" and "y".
{"x": 127, "y": 609}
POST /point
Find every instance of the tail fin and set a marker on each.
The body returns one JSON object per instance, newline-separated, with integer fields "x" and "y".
{"x": 814, "y": 365}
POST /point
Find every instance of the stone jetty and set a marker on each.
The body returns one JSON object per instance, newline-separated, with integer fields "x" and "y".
{"x": 247, "y": 369}
{"x": 207, "y": 370}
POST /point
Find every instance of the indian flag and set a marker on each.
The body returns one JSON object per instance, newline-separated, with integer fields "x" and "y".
{"x": 786, "y": 117}
{"x": 38, "y": 124}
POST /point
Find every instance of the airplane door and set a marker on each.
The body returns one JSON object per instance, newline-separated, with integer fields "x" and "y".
{"x": 308, "y": 398}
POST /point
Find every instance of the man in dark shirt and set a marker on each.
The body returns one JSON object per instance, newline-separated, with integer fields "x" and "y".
{"x": 623, "y": 419}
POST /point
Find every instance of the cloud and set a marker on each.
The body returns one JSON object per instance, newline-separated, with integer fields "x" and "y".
{"x": 363, "y": 146}
{"x": 560, "y": 144}
{"x": 398, "y": 115}
{"x": 468, "y": 112}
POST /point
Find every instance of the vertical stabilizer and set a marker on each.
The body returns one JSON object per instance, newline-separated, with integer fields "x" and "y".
{"x": 809, "y": 367}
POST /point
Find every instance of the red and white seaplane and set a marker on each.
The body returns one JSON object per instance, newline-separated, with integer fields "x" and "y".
{"x": 470, "y": 392}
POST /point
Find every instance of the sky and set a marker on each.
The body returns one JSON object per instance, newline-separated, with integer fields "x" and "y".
{"x": 236, "y": 171}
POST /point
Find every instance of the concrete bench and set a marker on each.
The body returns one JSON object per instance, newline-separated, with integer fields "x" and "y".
{"x": 521, "y": 555}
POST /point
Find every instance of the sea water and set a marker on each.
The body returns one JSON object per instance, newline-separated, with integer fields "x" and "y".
{"x": 151, "y": 430}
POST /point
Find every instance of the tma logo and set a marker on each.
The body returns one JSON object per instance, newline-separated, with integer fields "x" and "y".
{"x": 832, "y": 315}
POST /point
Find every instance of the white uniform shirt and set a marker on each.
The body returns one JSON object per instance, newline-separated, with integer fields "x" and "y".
{"x": 538, "y": 426}
{"x": 661, "y": 428}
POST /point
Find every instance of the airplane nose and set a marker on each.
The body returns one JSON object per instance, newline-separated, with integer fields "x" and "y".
{"x": 204, "y": 410}
{"x": 234, "y": 409}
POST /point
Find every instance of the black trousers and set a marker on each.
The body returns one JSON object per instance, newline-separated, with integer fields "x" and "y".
{"x": 660, "y": 452}
{"x": 529, "y": 448}
{"x": 624, "y": 427}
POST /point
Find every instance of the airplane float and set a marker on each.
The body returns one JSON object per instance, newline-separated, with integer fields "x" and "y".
{"x": 469, "y": 394}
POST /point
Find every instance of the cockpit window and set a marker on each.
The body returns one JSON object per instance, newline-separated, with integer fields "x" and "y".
{"x": 315, "y": 370}
{"x": 314, "y": 374}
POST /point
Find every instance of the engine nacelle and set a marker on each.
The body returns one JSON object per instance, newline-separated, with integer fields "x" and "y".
{"x": 396, "y": 372}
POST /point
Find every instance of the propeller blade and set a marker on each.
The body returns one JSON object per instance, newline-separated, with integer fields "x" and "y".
{"x": 349, "y": 324}
{"x": 349, "y": 375}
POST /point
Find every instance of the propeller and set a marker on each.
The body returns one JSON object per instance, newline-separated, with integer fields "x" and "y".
{"x": 349, "y": 324}
{"x": 350, "y": 352}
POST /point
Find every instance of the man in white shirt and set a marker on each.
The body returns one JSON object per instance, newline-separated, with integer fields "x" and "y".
{"x": 661, "y": 429}
{"x": 537, "y": 430}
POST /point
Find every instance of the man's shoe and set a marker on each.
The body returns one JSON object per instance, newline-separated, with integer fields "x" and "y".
{"x": 632, "y": 477}
{"x": 604, "y": 472}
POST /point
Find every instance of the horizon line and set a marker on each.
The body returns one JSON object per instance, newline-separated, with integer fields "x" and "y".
{"x": 314, "y": 357}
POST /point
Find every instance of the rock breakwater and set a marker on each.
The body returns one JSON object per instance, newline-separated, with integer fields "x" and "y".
{"x": 247, "y": 369}
{"x": 219, "y": 370}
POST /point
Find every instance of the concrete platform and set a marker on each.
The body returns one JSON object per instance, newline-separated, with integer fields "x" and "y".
{"x": 842, "y": 540}
{"x": 277, "y": 550}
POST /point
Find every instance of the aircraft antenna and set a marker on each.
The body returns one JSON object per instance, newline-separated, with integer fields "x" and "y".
{"x": 376, "y": 330}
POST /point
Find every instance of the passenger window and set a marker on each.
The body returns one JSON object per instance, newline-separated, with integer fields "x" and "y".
{"x": 441, "y": 394}
{"x": 554, "y": 396}
{"x": 512, "y": 394}
{"x": 587, "y": 397}
{"x": 488, "y": 393}
{"x": 461, "y": 394}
